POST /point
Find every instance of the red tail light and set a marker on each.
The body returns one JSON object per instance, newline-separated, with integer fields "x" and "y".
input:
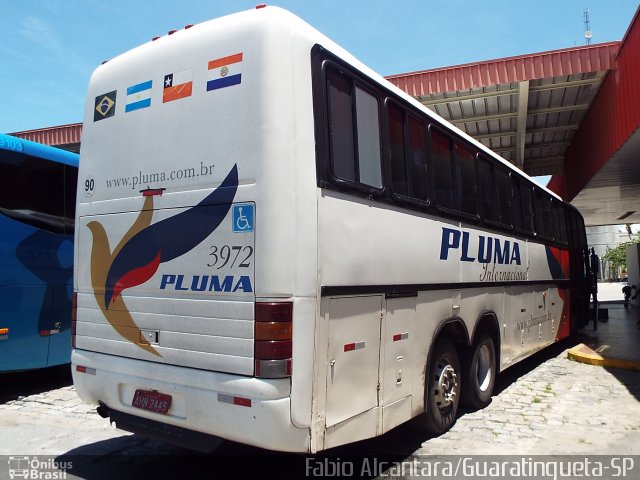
{"x": 74, "y": 318}
{"x": 273, "y": 339}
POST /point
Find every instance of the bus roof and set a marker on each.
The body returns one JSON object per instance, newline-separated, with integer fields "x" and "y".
{"x": 289, "y": 19}
{"x": 34, "y": 149}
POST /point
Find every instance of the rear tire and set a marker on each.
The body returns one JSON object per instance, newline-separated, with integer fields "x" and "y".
{"x": 480, "y": 373}
{"x": 442, "y": 389}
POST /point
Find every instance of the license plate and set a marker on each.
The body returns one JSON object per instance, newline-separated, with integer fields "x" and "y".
{"x": 152, "y": 401}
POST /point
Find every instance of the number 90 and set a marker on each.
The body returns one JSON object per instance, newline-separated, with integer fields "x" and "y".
{"x": 89, "y": 186}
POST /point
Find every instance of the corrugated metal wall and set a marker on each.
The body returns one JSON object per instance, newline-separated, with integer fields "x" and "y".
{"x": 556, "y": 63}
{"x": 613, "y": 117}
{"x": 54, "y": 136}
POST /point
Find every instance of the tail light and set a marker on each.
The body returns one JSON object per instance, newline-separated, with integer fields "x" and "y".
{"x": 74, "y": 318}
{"x": 273, "y": 339}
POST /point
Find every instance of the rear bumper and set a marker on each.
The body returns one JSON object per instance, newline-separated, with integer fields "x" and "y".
{"x": 202, "y": 401}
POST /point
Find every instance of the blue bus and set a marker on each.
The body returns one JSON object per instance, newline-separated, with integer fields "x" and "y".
{"x": 37, "y": 210}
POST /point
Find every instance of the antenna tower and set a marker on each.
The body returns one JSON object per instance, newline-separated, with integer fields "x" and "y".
{"x": 587, "y": 27}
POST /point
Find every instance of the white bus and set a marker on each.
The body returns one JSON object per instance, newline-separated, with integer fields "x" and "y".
{"x": 278, "y": 247}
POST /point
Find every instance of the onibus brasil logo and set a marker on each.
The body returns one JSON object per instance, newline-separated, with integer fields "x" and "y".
{"x": 35, "y": 468}
{"x": 136, "y": 258}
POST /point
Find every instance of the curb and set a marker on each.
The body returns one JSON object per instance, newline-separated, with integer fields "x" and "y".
{"x": 583, "y": 354}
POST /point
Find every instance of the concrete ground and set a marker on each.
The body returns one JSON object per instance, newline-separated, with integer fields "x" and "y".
{"x": 545, "y": 405}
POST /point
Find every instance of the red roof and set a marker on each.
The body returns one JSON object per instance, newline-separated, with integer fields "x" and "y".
{"x": 54, "y": 136}
{"x": 555, "y": 63}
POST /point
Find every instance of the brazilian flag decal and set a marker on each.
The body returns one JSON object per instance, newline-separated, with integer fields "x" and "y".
{"x": 105, "y": 106}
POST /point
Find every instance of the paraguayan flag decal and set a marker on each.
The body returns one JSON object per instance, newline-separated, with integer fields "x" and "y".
{"x": 139, "y": 96}
{"x": 224, "y": 72}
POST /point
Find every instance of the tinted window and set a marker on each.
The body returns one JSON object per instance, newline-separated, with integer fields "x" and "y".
{"x": 70, "y": 185}
{"x": 485, "y": 190}
{"x": 417, "y": 157}
{"x": 503, "y": 191}
{"x": 399, "y": 181}
{"x": 547, "y": 217}
{"x": 442, "y": 170}
{"x": 354, "y": 131}
{"x": 368, "y": 124}
{"x": 32, "y": 191}
{"x": 527, "y": 207}
{"x": 539, "y": 221}
{"x": 562, "y": 229}
{"x": 341, "y": 127}
{"x": 516, "y": 202}
{"x": 465, "y": 159}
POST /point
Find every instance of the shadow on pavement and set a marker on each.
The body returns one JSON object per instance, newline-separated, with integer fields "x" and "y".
{"x": 22, "y": 384}
{"x": 150, "y": 459}
{"x": 135, "y": 456}
{"x": 618, "y": 338}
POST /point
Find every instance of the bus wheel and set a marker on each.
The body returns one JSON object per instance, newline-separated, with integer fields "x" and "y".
{"x": 480, "y": 373}
{"x": 442, "y": 391}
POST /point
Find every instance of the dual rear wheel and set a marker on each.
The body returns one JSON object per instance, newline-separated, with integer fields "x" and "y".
{"x": 451, "y": 378}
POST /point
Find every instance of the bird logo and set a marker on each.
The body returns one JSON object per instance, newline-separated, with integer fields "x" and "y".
{"x": 146, "y": 245}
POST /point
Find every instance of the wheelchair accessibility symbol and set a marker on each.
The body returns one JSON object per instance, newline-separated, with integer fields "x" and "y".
{"x": 243, "y": 218}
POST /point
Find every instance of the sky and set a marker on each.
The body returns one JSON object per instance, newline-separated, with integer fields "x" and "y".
{"x": 49, "y": 48}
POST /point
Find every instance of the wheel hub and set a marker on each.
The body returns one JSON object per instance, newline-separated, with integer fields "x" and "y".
{"x": 446, "y": 385}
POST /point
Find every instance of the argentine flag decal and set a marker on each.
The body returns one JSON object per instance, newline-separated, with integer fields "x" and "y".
{"x": 139, "y": 96}
{"x": 225, "y": 72}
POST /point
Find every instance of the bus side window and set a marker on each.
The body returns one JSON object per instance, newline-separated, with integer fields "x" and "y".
{"x": 487, "y": 196}
{"x": 442, "y": 170}
{"x": 527, "y": 208}
{"x": 341, "y": 127}
{"x": 407, "y": 144}
{"x": 465, "y": 161}
{"x": 399, "y": 182}
{"x": 547, "y": 215}
{"x": 368, "y": 124}
{"x": 503, "y": 190}
{"x": 516, "y": 199}
{"x": 417, "y": 149}
{"x": 539, "y": 221}
{"x": 354, "y": 135}
{"x": 562, "y": 228}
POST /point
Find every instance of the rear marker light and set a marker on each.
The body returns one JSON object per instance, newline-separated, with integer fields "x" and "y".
{"x": 240, "y": 401}
{"x": 4, "y": 333}
{"x": 47, "y": 333}
{"x": 187, "y": 27}
{"x": 400, "y": 336}
{"x": 155, "y": 38}
{"x": 87, "y": 370}
{"x": 354, "y": 346}
{"x": 260, "y": 5}
{"x": 171, "y": 32}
